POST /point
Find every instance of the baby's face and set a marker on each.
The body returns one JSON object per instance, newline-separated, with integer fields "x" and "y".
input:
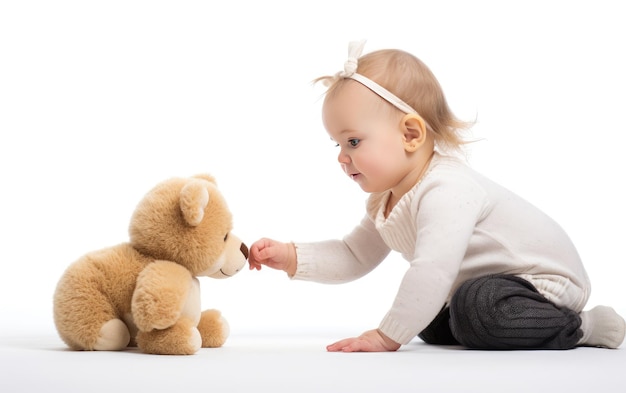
{"x": 367, "y": 131}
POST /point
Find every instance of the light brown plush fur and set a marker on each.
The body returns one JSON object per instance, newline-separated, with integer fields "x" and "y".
{"x": 145, "y": 292}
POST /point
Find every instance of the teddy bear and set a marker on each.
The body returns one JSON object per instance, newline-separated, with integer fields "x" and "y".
{"x": 145, "y": 292}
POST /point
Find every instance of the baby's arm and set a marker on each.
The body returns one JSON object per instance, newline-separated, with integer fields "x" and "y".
{"x": 447, "y": 217}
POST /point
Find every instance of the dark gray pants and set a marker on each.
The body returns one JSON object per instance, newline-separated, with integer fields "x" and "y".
{"x": 503, "y": 312}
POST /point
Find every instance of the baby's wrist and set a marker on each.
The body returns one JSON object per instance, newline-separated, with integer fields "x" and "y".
{"x": 292, "y": 260}
{"x": 388, "y": 342}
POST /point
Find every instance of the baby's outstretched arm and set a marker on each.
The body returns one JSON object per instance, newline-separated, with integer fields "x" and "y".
{"x": 274, "y": 254}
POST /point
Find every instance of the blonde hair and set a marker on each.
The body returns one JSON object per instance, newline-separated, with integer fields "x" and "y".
{"x": 413, "y": 82}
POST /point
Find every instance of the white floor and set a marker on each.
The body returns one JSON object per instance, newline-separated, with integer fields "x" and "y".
{"x": 299, "y": 363}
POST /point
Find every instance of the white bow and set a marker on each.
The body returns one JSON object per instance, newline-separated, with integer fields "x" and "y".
{"x": 355, "y": 48}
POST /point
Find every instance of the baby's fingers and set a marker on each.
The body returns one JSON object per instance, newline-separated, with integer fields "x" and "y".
{"x": 254, "y": 265}
{"x": 340, "y": 345}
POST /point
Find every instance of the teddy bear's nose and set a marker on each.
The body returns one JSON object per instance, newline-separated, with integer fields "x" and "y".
{"x": 244, "y": 250}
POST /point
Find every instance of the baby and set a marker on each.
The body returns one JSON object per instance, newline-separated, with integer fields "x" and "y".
{"x": 486, "y": 269}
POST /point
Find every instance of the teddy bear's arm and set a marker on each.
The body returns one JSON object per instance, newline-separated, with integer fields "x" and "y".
{"x": 162, "y": 295}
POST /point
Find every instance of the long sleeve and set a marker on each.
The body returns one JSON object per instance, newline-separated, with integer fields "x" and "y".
{"x": 339, "y": 261}
{"x": 447, "y": 215}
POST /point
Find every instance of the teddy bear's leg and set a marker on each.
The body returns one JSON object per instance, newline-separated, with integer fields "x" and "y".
{"x": 213, "y": 328}
{"x": 114, "y": 336}
{"x": 89, "y": 321}
{"x": 181, "y": 339}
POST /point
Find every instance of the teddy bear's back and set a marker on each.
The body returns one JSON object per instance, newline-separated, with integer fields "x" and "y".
{"x": 94, "y": 289}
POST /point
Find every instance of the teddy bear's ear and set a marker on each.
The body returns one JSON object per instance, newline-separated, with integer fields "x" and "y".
{"x": 194, "y": 198}
{"x": 207, "y": 177}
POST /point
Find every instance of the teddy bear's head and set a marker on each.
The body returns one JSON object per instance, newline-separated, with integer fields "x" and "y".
{"x": 187, "y": 221}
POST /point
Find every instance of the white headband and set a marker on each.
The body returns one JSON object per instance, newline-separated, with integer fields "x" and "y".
{"x": 354, "y": 52}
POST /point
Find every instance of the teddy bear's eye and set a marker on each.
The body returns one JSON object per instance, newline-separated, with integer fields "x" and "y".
{"x": 226, "y": 237}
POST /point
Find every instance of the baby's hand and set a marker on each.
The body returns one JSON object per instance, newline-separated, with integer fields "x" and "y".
{"x": 273, "y": 254}
{"x": 370, "y": 341}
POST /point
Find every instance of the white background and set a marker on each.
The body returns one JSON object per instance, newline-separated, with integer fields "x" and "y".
{"x": 100, "y": 100}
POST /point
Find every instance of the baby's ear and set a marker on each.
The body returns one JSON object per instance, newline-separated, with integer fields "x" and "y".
{"x": 414, "y": 132}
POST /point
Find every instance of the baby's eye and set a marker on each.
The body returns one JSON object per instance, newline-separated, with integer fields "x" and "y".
{"x": 354, "y": 142}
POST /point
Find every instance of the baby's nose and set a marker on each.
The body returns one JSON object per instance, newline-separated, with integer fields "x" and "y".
{"x": 343, "y": 158}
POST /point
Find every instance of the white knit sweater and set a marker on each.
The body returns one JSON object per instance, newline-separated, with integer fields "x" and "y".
{"x": 452, "y": 226}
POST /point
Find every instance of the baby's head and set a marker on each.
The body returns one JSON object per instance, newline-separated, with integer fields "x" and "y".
{"x": 412, "y": 87}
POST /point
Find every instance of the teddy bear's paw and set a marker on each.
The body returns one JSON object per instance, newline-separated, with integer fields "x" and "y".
{"x": 163, "y": 292}
{"x": 181, "y": 339}
{"x": 214, "y": 329}
{"x": 113, "y": 336}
